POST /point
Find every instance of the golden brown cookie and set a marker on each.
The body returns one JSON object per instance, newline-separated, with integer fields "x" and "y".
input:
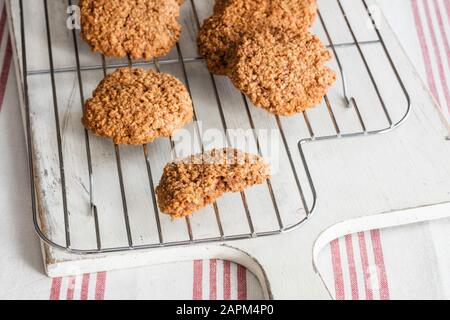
{"x": 137, "y": 28}
{"x": 234, "y": 19}
{"x": 190, "y": 184}
{"x": 136, "y": 106}
{"x": 284, "y": 74}
{"x": 220, "y": 5}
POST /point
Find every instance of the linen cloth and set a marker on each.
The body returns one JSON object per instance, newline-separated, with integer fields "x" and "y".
{"x": 397, "y": 263}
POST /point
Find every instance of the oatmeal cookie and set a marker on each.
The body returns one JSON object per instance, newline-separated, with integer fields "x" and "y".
{"x": 285, "y": 73}
{"x": 220, "y": 5}
{"x": 137, "y": 28}
{"x": 136, "y": 106}
{"x": 190, "y": 184}
{"x": 234, "y": 19}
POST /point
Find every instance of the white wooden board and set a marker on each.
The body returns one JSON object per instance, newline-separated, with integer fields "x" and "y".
{"x": 361, "y": 183}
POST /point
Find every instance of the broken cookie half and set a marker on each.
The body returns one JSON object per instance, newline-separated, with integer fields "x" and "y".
{"x": 136, "y": 106}
{"x": 191, "y": 183}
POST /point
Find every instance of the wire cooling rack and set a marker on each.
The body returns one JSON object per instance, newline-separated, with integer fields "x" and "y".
{"x": 77, "y": 206}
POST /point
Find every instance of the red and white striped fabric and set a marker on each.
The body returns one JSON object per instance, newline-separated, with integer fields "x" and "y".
{"x": 197, "y": 280}
{"x": 223, "y": 280}
{"x": 358, "y": 267}
{"x": 378, "y": 264}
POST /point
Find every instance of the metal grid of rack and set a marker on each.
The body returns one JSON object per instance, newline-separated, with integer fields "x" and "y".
{"x": 349, "y": 101}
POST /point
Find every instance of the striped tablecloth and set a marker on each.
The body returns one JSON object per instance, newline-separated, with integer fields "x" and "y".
{"x": 405, "y": 262}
